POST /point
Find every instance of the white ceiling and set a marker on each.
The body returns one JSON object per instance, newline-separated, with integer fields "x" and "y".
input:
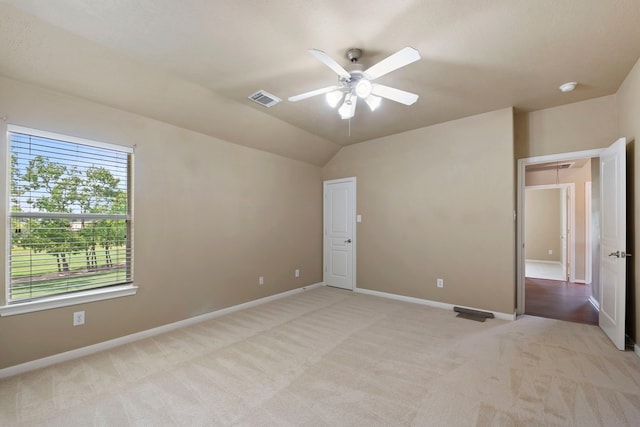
{"x": 193, "y": 63}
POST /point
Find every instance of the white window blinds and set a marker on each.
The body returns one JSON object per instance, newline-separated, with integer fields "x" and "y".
{"x": 70, "y": 214}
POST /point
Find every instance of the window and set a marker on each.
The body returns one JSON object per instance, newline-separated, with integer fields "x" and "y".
{"x": 70, "y": 216}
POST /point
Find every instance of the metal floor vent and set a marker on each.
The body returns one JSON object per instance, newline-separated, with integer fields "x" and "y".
{"x": 264, "y": 98}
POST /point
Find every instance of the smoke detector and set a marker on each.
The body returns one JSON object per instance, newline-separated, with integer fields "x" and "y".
{"x": 568, "y": 87}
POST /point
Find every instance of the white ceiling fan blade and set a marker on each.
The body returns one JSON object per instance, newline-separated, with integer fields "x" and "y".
{"x": 398, "y": 60}
{"x": 330, "y": 62}
{"x": 316, "y": 92}
{"x": 406, "y": 98}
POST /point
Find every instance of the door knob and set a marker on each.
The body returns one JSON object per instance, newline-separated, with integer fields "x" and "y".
{"x": 348, "y": 241}
{"x": 615, "y": 254}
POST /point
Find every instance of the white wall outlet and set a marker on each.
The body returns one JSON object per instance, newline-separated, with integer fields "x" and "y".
{"x": 261, "y": 280}
{"x": 550, "y": 251}
{"x": 297, "y": 273}
{"x": 440, "y": 283}
{"x": 78, "y": 318}
{"x": 358, "y": 218}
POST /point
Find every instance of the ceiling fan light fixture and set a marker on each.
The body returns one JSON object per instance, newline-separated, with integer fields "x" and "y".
{"x": 358, "y": 84}
{"x": 373, "y": 102}
{"x": 363, "y": 88}
{"x": 334, "y": 98}
{"x": 348, "y": 108}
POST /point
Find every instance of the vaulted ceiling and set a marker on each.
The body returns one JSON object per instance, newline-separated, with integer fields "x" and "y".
{"x": 193, "y": 63}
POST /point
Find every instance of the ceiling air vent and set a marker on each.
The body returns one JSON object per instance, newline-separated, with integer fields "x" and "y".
{"x": 264, "y": 98}
{"x": 550, "y": 166}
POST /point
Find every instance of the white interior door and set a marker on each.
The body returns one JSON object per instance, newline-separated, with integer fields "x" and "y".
{"x": 613, "y": 242}
{"x": 339, "y": 233}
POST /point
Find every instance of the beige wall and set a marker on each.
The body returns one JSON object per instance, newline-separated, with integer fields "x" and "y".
{"x": 628, "y": 103}
{"x": 543, "y": 227}
{"x": 573, "y": 127}
{"x": 437, "y": 202}
{"x": 579, "y": 177}
{"x": 210, "y": 217}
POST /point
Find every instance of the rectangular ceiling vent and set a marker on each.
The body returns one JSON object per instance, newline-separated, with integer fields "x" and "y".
{"x": 550, "y": 166}
{"x": 264, "y": 98}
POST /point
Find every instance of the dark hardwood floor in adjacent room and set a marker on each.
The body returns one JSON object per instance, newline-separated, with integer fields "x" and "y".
{"x": 559, "y": 300}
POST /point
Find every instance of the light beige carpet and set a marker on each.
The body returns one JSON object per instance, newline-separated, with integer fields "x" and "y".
{"x": 328, "y": 357}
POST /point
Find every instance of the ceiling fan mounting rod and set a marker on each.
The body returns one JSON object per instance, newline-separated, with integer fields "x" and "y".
{"x": 354, "y": 54}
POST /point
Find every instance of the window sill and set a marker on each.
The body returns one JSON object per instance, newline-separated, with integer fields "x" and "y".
{"x": 69, "y": 299}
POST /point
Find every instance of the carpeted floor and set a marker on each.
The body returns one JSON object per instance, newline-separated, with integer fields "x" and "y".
{"x": 328, "y": 357}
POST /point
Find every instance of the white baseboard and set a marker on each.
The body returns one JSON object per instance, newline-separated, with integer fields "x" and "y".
{"x": 116, "y": 342}
{"x": 636, "y": 349}
{"x": 582, "y": 282}
{"x": 594, "y": 303}
{"x": 543, "y": 261}
{"x": 436, "y": 304}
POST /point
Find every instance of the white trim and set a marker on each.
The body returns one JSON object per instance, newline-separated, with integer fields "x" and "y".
{"x": 582, "y": 282}
{"x": 7, "y": 218}
{"x": 436, "y": 304}
{"x": 522, "y": 163}
{"x": 67, "y": 138}
{"x": 65, "y": 300}
{"x": 106, "y": 345}
{"x": 588, "y": 249}
{"x": 636, "y": 349}
{"x": 542, "y": 261}
{"x": 594, "y": 302}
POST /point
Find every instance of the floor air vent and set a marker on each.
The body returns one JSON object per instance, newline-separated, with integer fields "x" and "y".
{"x": 264, "y": 98}
{"x": 477, "y": 315}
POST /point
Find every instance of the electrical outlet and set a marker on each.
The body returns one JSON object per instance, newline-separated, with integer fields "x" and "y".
{"x": 78, "y": 318}
{"x": 261, "y": 280}
{"x": 297, "y": 273}
{"x": 440, "y": 283}
{"x": 550, "y": 251}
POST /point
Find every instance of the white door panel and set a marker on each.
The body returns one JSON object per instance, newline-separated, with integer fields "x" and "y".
{"x": 339, "y": 233}
{"x": 613, "y": 242}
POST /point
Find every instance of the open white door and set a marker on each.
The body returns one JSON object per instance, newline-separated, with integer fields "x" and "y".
{"x": 339, "y": 233}
{"x": 613, "y": 242}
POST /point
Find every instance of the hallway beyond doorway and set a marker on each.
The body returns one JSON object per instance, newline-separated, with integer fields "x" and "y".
{"x": 543, "y": 270}
{"x": 560, "y": 300}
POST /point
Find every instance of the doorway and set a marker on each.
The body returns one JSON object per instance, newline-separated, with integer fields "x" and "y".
{"x": 556, "y": 285}
{"x": 340, "y": 233}
{"x": 610, "y": 240}
{"x": 549, "y": 231}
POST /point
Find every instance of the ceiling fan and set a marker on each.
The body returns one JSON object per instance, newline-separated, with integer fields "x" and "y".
{"x": 358, "y": 84}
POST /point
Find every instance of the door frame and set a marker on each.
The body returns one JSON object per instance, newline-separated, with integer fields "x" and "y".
{"x": 588, "y": 261}
{"x": 354, "y": 244}
{"x": 520, "y": 219}
{"x": 568, "y": 215}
